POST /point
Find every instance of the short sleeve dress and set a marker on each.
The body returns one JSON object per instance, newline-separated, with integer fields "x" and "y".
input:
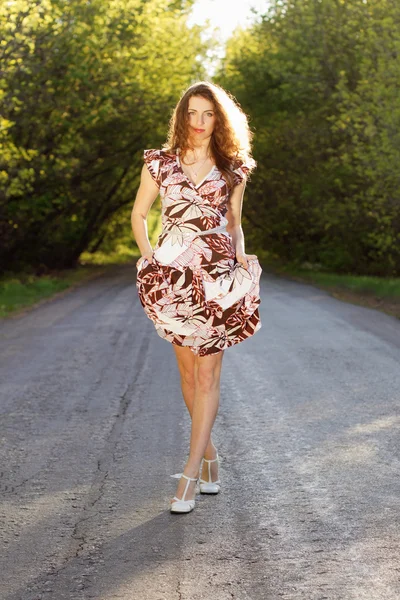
{"x": 194, "y": 291}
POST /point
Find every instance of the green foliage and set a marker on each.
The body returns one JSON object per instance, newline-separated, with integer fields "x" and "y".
{"x": 115, "y": 243}
{"x": 25, "y": 289}
{"x": 84, "y": 88}
{"x": 320, "y": 83}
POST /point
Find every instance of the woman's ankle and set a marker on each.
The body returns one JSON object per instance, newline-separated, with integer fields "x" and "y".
{"x": 191, "y": 471}
{"x": 210, "y": 454}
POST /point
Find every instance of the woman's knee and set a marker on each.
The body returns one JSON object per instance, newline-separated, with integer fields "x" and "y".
{"x": 188, "y": 376}
{"x": 207, "y": 377}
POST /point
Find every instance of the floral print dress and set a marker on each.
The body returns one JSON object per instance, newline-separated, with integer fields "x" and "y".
{"x": 194, "y": 291}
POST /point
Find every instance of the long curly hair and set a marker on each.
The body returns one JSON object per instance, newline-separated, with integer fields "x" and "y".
{"x": 231, "y": 140}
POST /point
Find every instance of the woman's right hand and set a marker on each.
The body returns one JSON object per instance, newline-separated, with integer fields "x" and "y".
{"x": 148, "y": 256}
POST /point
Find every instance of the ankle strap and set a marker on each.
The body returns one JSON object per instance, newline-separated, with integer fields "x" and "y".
{"x": 213, "y": 460}
{"x": 190, "y": 478}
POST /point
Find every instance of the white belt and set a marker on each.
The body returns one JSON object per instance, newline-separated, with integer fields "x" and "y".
{"x": 219, "y": 229}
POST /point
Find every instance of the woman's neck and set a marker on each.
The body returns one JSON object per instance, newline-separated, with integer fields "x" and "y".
{"x": 200, "y": 150}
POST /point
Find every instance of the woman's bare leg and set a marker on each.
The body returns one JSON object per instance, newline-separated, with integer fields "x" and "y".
{"x": 204, "y": 408}
{"x": 186, "y": 365}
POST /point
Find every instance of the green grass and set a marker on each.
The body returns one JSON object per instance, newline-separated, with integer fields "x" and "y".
{"x": 379, "y": 286}
{"x": 21, "y": 290}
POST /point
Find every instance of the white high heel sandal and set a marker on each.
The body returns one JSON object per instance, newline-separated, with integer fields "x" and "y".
{"x": 210, "y": 487}
{"x": 181, "y": 505}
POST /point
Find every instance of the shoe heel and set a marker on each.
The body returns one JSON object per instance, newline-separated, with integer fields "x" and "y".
{"x": 210, "y": 487}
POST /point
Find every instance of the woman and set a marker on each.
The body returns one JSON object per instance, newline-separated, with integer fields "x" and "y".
{"x": 197, "y": 285}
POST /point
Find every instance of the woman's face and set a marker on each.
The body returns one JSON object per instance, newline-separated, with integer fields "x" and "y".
{"x": 201, "y": 118}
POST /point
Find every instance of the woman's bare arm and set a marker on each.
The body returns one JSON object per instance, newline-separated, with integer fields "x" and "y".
{"x": 234, "y": 227}
{"x": 145, "y": 197}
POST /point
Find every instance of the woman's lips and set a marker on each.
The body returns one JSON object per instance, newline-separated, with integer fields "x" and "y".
{"x": 199, "y": 130}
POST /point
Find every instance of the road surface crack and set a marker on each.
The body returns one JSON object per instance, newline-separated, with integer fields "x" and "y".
{"x": 104, "y": 466}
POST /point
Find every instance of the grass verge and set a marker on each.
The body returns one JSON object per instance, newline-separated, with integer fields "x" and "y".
{"x": 23, "y": 290}
{"x": 382, "y": 293}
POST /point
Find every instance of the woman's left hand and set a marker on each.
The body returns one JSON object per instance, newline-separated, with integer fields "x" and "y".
{"x": 243, "y": 258}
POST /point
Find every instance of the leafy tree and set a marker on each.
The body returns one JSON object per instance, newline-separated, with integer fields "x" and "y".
{"x": 84, "y": 87}
{"x": 319, "y": 80}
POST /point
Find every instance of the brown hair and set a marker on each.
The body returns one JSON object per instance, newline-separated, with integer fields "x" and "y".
{"x": 231, "y": 139}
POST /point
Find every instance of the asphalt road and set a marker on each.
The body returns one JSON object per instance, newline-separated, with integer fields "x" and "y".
{"x": 93, "y": 424}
